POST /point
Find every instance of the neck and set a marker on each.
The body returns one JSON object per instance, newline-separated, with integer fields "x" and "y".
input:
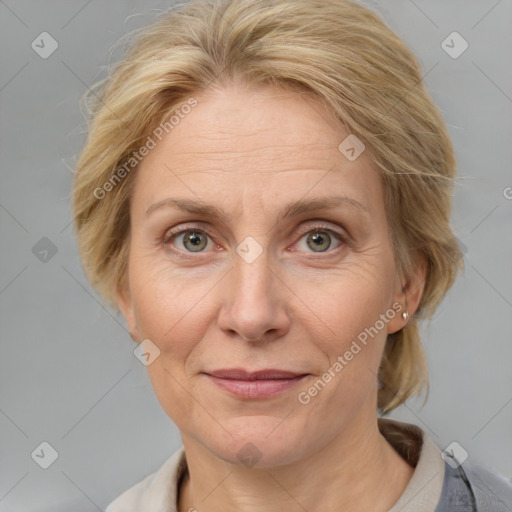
{"x": 358, "y": 470}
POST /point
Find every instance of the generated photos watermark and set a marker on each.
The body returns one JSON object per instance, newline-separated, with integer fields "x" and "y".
{"x": 137, "y": 156}
{"x": 304, "y": 397}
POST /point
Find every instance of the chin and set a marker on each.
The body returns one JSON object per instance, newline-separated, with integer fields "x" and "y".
{"x": 259, "y": 442}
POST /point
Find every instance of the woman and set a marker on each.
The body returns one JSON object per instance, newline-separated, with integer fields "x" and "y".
{"x": 265, "y": 196}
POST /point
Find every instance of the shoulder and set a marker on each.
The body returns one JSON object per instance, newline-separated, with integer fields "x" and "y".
{"x": 492, "y": 491}
{"x": 156, "y": 492}
{"x": 447, "y": 486}
{"x": 471, "y": 487}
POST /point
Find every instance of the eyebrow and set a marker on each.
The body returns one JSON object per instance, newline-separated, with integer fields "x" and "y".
{"x": 290, "y": 210}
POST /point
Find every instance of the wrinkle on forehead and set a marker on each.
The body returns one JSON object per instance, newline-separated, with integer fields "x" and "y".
{"x": 246, "y": 144}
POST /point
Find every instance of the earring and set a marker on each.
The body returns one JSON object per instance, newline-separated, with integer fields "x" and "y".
{"x": 405, "y": 315}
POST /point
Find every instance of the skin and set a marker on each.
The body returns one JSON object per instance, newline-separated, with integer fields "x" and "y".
{"x": 250, "y": 152}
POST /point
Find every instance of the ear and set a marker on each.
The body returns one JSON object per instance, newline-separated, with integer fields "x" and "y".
{"x": 408, "y": 295}
{"x": 125, "y": 304}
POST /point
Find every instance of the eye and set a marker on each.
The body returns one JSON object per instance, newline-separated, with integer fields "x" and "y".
{"x": 320, "y": 239}
{"x": 193, "y": 240}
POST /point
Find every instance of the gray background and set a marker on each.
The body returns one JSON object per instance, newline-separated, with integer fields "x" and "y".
{"x": 68, "y": 374}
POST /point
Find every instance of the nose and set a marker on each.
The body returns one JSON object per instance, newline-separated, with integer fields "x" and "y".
{"x": 256, "y": 302}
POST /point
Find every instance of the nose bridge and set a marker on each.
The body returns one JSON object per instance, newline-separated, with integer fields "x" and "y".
{"x": 254, "y": 304}
{"x": 252, "y": 274}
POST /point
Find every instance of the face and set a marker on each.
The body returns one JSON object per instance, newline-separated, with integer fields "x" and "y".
{"x": 256, "y": 244}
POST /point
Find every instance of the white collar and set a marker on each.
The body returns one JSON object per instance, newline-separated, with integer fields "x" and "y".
{"x": 158, "y": 491}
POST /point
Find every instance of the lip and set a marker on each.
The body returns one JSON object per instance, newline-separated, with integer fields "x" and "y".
{"x": 258, "y": 384}
{"x": 266, "y": 374}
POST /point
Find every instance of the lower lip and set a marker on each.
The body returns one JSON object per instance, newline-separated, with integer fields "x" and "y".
{"x": 256, "y": 388}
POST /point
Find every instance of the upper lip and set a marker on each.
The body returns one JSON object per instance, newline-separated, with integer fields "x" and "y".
{"x": 241, "y": 374}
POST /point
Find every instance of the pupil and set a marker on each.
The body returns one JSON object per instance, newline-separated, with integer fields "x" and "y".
{"x": 320, "y": 241}
{"x": 194, "y": 239}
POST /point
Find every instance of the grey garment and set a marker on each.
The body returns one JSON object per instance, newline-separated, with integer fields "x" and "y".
{"x": 471, "y": 488}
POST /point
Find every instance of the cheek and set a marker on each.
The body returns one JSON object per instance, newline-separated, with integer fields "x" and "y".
{"x": 351, "y": 334}
{"x": 170, "y": 308}
{"x": 173, "y": 313}
{"x": 347, "y": 315}
{"x": 345, "y": 301}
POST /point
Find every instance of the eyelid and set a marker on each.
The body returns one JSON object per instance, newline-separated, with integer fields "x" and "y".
{"x": 198, "y": 226}
{"x": 320, "y": 225}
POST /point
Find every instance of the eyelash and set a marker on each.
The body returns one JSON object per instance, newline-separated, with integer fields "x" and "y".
{"x": 170, "y": 235}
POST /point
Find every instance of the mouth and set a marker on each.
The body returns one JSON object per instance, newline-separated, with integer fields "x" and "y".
{"x": 255, "y": 385}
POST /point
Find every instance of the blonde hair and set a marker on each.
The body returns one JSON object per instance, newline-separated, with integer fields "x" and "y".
{"x": 352, "y": 62}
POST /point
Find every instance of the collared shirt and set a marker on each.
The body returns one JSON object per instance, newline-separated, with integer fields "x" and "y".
{"x": 437, "y": 484}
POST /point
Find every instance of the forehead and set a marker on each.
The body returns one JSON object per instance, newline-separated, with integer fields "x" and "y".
{"x": 251, "y": 141}
{"x": 266, "y": 120}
